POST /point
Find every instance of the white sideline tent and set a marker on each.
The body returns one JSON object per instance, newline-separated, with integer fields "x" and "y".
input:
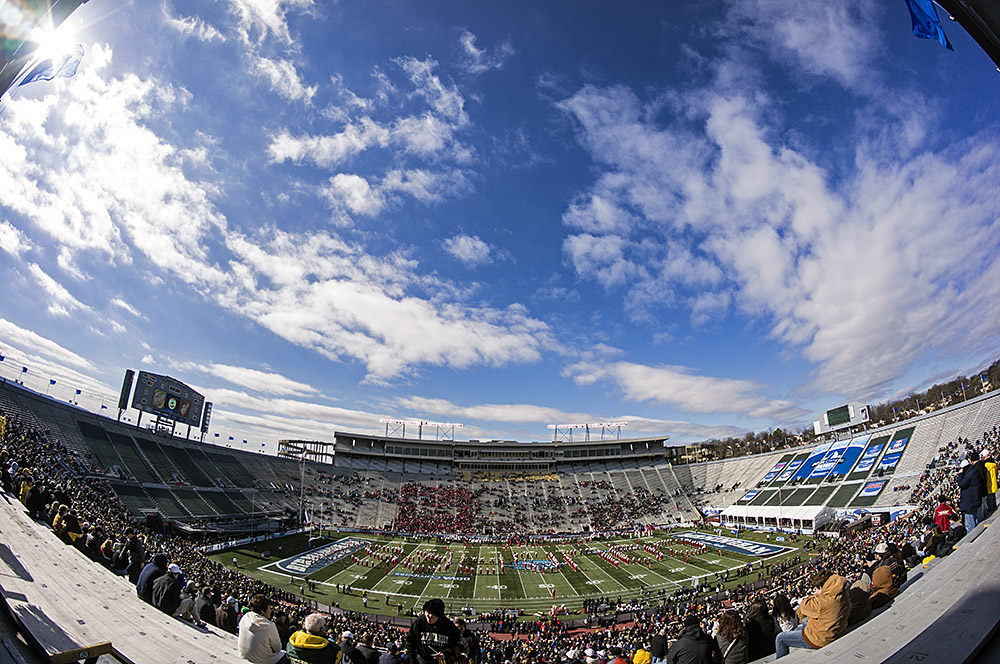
{"x": 808, "y": 518}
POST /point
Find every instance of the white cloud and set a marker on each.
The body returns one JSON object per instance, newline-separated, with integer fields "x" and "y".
{"x": 468, "y": 249}
{"x": 106, "y": 187}
{"x": 329, "y": 150}
{"x": 476, "y": 60}
{"x": 711, "y": 211}
{"x": 191, "y": 26}
{"x": 61, "y": 302}
{"x": 353, "y": 193}
{"x": 125, "y": 306}
{"x": 260, "y": 20}
{"x": 446, "y": 100}
{"x": 679, "y": 386}
{"x": 41, "y": 346}
{"x": 266, "y": 382}
{"x": 12, "y": 240}
{"x": 283, "y": 78}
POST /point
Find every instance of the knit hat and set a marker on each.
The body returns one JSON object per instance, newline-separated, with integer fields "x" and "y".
{"x": 692, "y": 619}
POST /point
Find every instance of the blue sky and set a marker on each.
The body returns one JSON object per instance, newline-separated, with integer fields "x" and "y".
{"x": 702, "y": 218}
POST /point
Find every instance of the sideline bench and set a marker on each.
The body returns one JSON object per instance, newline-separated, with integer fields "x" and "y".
{"x": 73, "y": 608}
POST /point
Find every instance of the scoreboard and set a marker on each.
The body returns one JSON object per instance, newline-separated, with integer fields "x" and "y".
{"x": 167, "y": 397}
{"x": 842, "y": 417}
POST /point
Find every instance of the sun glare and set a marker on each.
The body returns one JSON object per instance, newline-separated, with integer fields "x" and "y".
{"x": 53, "y": 43}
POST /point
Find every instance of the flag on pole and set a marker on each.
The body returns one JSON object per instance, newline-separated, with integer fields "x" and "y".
{"x": 103, "y": 407}
{"x": 63, "y": 66}
{"x": 2, "y": 358}
{"x": 79, "y": 392}
{"x": 216, "y": 435}
{"x": 925, "y": 22}
{"x": 24, "y": 369}
{"x": 230, "y": 438}
{"x": 52, "y": 381}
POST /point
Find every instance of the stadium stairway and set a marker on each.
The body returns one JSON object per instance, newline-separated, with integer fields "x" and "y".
{"x": 72, "y": 608}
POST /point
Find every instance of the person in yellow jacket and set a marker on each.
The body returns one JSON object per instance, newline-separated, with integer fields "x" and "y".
{"x": 824, "y": 615}
{"x": 642, "y": 655}
{"x": 990, "y": 501}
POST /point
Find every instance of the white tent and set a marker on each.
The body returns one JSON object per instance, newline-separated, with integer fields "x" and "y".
{"x": 808, "y": 518}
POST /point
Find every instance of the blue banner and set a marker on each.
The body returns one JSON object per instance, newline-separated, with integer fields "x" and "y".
{"x": 868, "y": 460}
{"x": 851, "y": 455}
{"x": 890, "y": 460}
{"x": 792, "y": 467}
{"x": 897, "y": 445}
{"x": 774, "y": 471}
{"x": 750, "y": 495}
{"x": 829, "y": 460}
{"x": 813, "y": 459}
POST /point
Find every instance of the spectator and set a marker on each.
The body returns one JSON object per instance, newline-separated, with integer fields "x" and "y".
{"x": 824, "y": 615}
{"x": 167, "y": 590}
{"x": 433, "y": 639}
{"x": 731, "y": 636}
{"x": 860, "y": 598}
{"x": 472, "y": 647}
{"x": 203, "y": 607}
{"x": 990, "y": 470}
{"x": 258, "y": 640}
{"x": 642, "y": 655}
{"x": 658, "y": 646}
{"x": 694, "y": 646}
{"x": 150, "y": 573}
{"x": 884, "y": 589}
{"x": 784, "y": 614}
{"x": 942, "y": 512}
{"x": 310, "y": 645}
{"x": 366, "y": 646}
{"x": 761, "y": 629}
{"x": 391, "y": 655}
{"x": 227, "y": 617}
{"x": 972, "y": 487}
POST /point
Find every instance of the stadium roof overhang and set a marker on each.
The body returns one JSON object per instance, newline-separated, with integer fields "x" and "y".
{"x": 981, "y": 19}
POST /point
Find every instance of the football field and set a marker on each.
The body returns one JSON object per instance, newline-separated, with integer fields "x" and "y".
{"x": 367, "y": 572}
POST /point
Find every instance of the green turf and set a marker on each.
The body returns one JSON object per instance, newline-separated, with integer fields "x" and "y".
{"x": 507, "y": 588}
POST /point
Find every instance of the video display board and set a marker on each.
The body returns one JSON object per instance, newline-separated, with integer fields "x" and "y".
{"x": 167, "y": 397}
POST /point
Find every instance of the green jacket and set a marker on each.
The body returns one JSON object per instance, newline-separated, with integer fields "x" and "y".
{"x": 311, "y": 649}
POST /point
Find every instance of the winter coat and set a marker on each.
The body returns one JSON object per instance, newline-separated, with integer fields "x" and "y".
{"x": 149, "y": 574}
{"x": 167, "y": 593}
{"x": 827, "y": 611}
{"x": 258, "y": 639}
{"x": 311, "y": 649}
{"x": 760, "y": 637}
{"x": 694, "y": 646}
{"x": 972, "y": 488}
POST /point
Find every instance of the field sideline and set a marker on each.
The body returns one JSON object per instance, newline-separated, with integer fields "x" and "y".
{"x": 410, "y": 571}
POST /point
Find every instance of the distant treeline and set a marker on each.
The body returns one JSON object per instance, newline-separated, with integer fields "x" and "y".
{"x": 934, "y": 398}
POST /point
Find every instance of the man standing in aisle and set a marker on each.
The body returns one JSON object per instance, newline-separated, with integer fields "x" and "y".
{"x": 433, "y": 639}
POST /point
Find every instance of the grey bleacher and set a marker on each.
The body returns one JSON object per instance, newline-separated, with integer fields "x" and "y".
{"x": 946, "y": 612}
{"x": 74, "y": 609}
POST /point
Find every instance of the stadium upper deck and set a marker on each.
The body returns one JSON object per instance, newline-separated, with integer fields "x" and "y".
{"x": 551, "y": 486}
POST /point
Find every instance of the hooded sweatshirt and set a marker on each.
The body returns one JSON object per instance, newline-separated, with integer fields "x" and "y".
{"x": 884, "y": 588}
{"x": 312, "y": 649}
{"x": 258, "y": 639}
{"x": 827, "y": 611}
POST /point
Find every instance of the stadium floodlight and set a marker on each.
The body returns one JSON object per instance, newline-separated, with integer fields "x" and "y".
{"x": 567, "y": 429}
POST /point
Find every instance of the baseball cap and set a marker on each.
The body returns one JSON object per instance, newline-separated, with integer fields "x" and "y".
{"x": 347, "y": 635}
{"x": 173, "y": 568}
{"x": 881, "y": 547}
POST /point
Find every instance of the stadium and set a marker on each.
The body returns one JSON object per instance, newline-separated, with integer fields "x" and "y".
{"x": 130, "y": 540}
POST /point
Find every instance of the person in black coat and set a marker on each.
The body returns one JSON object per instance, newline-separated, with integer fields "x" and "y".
{"x": 203, "y": 607}
{"x": 972, "y": 489}
{"x": 149, "y": 574}
{"x": 694, "y": 646}
{"x": 761, "y": 630}
{"x": 167, "y": 591}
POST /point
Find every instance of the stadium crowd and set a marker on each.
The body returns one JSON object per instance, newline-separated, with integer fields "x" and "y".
{"x": 787, "y": 606}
